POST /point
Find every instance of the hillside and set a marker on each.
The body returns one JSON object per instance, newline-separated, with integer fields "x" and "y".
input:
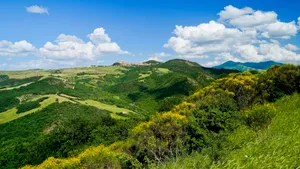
{"x": 99, "y": 105}
{"x": 241, "y": 120}
{"x": 274, "y": 147}
{"x": 247, "y": 65}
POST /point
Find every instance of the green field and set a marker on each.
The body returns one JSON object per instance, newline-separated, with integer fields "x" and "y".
{"x": 11, "y": 114}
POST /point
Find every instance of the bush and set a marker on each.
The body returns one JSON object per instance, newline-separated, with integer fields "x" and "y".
{"x": 161, "y": 138}
{"x": 260, "y": 116}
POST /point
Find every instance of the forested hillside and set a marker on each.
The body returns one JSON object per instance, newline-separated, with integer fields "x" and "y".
{"x": 243, "y": 120}
{"x": 60, "y": 113}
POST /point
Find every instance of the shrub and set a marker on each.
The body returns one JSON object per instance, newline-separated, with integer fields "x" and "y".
{"x": 260, "y": 116}
{"x": 161, "y": 138}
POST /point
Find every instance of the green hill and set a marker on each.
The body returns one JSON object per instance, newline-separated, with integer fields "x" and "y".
{"x": 242, "y": 120}
{"x": 176, "y": 114}
{"x": 38, "y": 105}
{"x": 247, "y": 65}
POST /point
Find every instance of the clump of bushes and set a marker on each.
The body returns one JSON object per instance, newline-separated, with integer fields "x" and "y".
{"x": 23, "y": 107}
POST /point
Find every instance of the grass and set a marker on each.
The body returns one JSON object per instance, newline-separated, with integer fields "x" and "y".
{"x": 93, "y": 71}
{"x": 277, "y": 146}
{"x": 111, "y": 108}
{"x": 11, "y": 114}
{"x": 25, "y": 73}
{"x": 142, "y": 76}
{"x": 163, "y": 70}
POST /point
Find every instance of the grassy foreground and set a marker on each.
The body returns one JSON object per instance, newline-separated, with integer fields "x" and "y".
{"x": 278, "y": 146}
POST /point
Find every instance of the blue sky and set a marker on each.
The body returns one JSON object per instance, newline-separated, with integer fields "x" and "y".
{"x": 53, "y": 34}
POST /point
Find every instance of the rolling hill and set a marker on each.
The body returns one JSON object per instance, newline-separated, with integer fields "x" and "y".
{"x": 242, "y": 120}
{"x": 101, "y": 102}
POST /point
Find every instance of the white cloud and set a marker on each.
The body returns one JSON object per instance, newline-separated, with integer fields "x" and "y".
{"x": 99, "y": 36}
{"x": 208, "y": 38}
{"x": 206, "y": 32}
{"x": 233, "y": 12}
{"x": 239, "y": 34}
{"x": 278, "y": 53}
{"x": 20, "y": 48}
{"x": 158, "y": 56}
{"x": 291, "y": 47}
{"x": 71, "y": 47}
{"x": 257, "y": 18}
{"x": 68, "y": 38}
{"x": 281, "y": 30}
{"x": 248, "y": 53}
{"x": 37, "y": 9}
{"x": 68, "y": 50}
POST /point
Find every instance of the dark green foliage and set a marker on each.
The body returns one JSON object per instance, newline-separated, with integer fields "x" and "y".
{"x": 8, "y": 98}
{"x": 7, "y": 103}
{"x": 58, "y": 130}
{"x": 3, "y": 78}
{"x": 16, "y": 82}
{"x": 29, "y": 105}
{"x": 169, "y": 102}
{"x": 212, "y": 116}
{"x": 153, "y": 62}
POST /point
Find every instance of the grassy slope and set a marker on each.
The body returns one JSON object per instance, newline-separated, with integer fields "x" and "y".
{"x": 276, "y": 147}
{"x": 11, "y": 114}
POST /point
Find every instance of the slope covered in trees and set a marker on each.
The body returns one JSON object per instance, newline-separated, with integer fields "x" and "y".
{"x": 230, "y": 123}
{"x": 61, "y": 112}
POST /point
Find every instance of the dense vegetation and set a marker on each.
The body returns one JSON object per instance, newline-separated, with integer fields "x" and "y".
{"x": 233, "y": 113}
{"x": 6, "y": 82}
{"x": 29, "y": 105}
{"x": 59, "y": 130}
{"x": 228, "y": 122}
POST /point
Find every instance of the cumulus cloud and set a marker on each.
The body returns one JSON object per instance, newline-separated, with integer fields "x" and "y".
{"x": 255, "y": 19}
{"x": 65, "y": 51}
{"x": 20, "y": 48}
{"x": 37, "y": 9}
{"x": 158, "y": 56}
{"x": 280, "y": 30}
{"x": 230, "y": 12}
{"x": 72, "y": 47}
{"x": 291, "y": 47}
{"x": 240, "y": 34}
{"x": 99, "y": 36}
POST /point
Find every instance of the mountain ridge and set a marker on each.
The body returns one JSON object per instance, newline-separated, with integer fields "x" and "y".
{"x": 244, "y": 66}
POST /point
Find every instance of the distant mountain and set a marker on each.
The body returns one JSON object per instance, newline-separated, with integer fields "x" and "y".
{"x": 247, "y": 65}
